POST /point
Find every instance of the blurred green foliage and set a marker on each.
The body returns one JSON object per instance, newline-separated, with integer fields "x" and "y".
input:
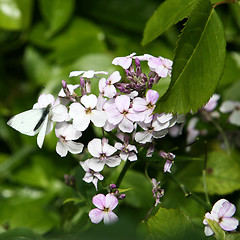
{"x": 40, "y": 43}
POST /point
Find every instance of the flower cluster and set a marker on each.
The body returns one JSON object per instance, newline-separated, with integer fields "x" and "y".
{"x": 124, "y": 105}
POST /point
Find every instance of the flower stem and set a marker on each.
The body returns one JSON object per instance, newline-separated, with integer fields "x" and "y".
{"x": 188, "y": 193}
{"x": 123, "y": 172}
{"x": 204, "y": 174}
{"x": 219, "y": 128}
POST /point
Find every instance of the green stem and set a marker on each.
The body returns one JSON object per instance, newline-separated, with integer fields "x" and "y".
{"x": 122, "y": 174}
{"x": 188, "y": 193}
{"x": 204, "y": 175}
{"x": 219, "y": 128}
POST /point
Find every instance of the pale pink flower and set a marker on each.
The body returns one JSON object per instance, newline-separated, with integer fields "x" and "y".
{"x": 151, "y": 130}
{"x": 212, "y": 103}
{"x": 91, "y": 175}
{"x": 162, "y": 66}
{"x": 128, "y": 151}
{"x": 102, "y": 154}
{"x": 157, "y": 191}
{"x": 169, "y": 160}
{"x": 83, "y": 114}
{"x": 146, "y": 105}
{"x": 104, "y": 211}
{"x": 144, "y": 57}
{"x": 106, "y": 86}
{"x": 66, "y": 134}
{"x": 222, "y": 213}
{"x": 124, "y": 62}
{"x": 123, "y": 115}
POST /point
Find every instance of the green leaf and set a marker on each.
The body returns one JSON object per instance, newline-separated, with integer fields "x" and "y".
{"x": 75, "y": 200}
{"x": 170, "y": 224}
{"x": 20, "y": 234}
{"x": 198, "y": 62}
{"x": 56, "y": 13}
{"x": 32, "y": 211}
{"x": 82, "y": 37}
{"x": 26, "y": 7}
{"x": 222, "y": 175}
{"x": 168, "y": 13}
{"x": 15, "y": 14}
{"x": 233, "y": 236}
{"x": 140, "y": 188}
{"x": 10, "y": 15}
{"x": 219, "y": 233}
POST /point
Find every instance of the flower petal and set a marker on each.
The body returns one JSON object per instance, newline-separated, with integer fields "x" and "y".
{"x": 96, "y": 215}
{"x": 89, "y": 101}
{"x": 229, "y": 223}
{"x": 122, "y": 103}
{"x": 111, "y": 201}
{"x": 95, "y": 147}
{"x": 110, "y": 217}
{"x": 98, "y": 118}
{"x": 99, "y": 201}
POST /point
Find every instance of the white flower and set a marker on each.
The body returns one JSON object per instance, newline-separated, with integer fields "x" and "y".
{"x": 234, "y": 107}
{"x": 102, "y": 154}
{"x": 91, "y": 175}
{"x": 86, "y": 74}
{"x": 83, "y": 114}
{"x": 124, "y": 62}
{"x": 106, "y": 86}
{"x": 66, "y": 133}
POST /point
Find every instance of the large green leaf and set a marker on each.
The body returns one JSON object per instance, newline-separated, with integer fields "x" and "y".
{"x": 222, "y": 177}
{"x": 171, "y": 224}
{"x": 168, "y": 13}
{"x": 198, "y": 62}
{"x": 56, "y": 13}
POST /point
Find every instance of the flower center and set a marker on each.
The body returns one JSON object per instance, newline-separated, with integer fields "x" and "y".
{"x": 88, "y": 110}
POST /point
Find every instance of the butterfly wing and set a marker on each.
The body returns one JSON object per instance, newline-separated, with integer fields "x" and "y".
{"x": 26, "y": 122}
{"x": 42, "y": 131}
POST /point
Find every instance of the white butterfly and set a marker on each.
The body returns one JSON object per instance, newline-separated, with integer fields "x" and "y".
{"x": 32, "y": 122}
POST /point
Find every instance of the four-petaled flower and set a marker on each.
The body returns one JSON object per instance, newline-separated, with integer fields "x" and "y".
{"x": 66, "y": 133}
{"x": 222, "y": 213}
{"x": 146, "y": 105}
{"x": 106, "y": 86}
{"x": 86, "y": 74}
{"x": 162, "y": 66}
{"x": 83, "y": 115}
{"x": 124, "y": 62}
{"x": 91, "y": 175}
{"x": 122, "y": 114}
{"x": 128, "y": 151}
{"x": 105, "y": 205}
{"x": 102, "y": 154}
